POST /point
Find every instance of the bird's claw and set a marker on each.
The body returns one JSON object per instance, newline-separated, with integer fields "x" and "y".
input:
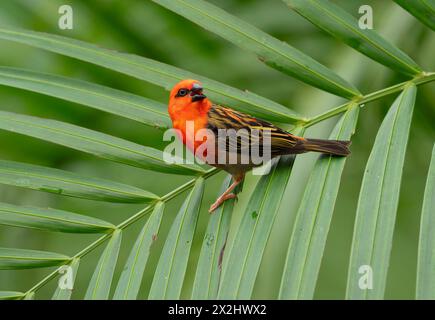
{"x": 221, "y": 200}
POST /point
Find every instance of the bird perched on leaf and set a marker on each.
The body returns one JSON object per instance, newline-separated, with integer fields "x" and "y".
{"x": 189, "y": 104}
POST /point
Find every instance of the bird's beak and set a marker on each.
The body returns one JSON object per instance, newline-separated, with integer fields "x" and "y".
{"x": 198, "y": 97}
{"x": 196, "y": 93}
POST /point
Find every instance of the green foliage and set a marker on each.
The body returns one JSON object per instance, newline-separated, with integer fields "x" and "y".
{"x": 426, "y": 248}
{"x": 423, "y": 10}
{"x": 10, "y": 295}
{"x": 313, "y": 218}
{"x": 131, "y": 277}
{"x": 102, "y": 98}
{"x": 70, "y": 184}
{"x": 342, "y": 25}
{"x": 51, "y": 220}
{"x": 99, "y": 287}
{"x": 244, "y": 255}
{"x": 14, "y": 259}
{"x": 169, "y": 275}
{"x": 379, "y": 197}
{"x": 273, "y": 52}
{"x": 64, "y": 293}
{"x": 227, "y": 261}
{"x": 99, "y": 144}
{"x": 151, "y": 71}
{"x": 209, "y": 269}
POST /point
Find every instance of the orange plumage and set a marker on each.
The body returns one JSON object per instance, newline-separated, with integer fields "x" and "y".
{"x": 182, "y": 109}
{"x": 188, "y": 104}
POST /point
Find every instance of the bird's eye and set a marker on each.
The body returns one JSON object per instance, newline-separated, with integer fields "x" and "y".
{"x": 182, "y": 92}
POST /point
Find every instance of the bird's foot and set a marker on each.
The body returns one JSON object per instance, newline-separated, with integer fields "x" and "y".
{"x": 221, "y": 200}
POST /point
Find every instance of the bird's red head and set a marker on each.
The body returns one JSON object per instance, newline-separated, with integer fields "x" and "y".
{"x": 187, "y": 104}
{"x": 187, "y": 100}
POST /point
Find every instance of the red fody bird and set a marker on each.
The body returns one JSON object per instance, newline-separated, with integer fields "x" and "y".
{"x": 188, "y": 104}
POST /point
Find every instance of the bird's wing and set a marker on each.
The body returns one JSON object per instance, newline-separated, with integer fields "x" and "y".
{"x": 220, "y": 117}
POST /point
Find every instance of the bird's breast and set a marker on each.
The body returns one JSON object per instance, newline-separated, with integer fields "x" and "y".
{"x": 191, "y": 130}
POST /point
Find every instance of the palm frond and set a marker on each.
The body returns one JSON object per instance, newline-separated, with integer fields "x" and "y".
{"x": 223, "y": 270}
{"x": 65, "y": 292}
{"x": 103, "y": 98}
{"x": 378, "y": 200}
{"x": 426, "y": 248}
{"x": 131, "y": 277}
{"x": 99, "y": 144}
{"x": 171, "y": 269}
{"x": 423, "y": 10}
{"x": 242, "y": 259}
{"x": 270, "y": 50}
{"x": 14, "y": 259}
{"x": 209, "y": 268}
{"x": 99, "y": 287}
{"x": 344, "y": 26}
{"x": 152, "y": 71}
{"x": 308, "y": 238}
{"x": 70, "y": 184}
{"x": 11, "y": 295}
{"x": 51, "y": 220}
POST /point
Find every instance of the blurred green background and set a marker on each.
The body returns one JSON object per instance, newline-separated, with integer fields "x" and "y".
{"x": 143, "y": 28}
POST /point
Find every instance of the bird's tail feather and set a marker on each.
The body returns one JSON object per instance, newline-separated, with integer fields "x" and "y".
{"x": 332, "y": 147}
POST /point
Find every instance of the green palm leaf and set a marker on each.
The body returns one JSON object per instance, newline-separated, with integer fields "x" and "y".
{"x": 11, "y": 295}
{"x": 51, "y": 220}
{"x": 106, "y": 99}
{"x": 222, "y": 271}
{"x": 131, "y": 277}
{"x": 29, "y": 296}
{"x": 70, "y": 184}
{"x": 378, "y": 200}
{"x": 99, "y": 287}
{"x": 152, "y": 71}
{"x": 243, "y": 260}
{"x": 169, "y": 275}
{"x": 93, "y": 142}
{"x": 12, "y": 259}
{"x": 64, "y": 293}
{"x": 272, "y": 51}
{"x": 344, "y": 26}
{"x": 209, "y": 269}
{"x": 426, "y": 247}
{"x": 308, "y": 239}
{"x": 423, "y": 10}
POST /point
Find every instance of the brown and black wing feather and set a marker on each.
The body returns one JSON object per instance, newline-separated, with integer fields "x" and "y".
{"x": 282, "y": 142}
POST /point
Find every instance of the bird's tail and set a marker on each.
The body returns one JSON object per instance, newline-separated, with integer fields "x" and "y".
{"x": 332, "y": 147}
